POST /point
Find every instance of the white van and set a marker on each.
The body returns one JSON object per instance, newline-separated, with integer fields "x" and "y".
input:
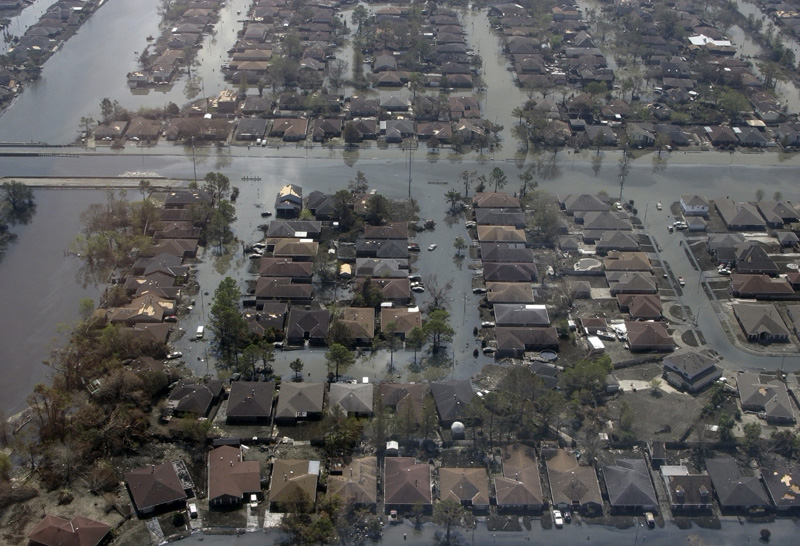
{"x": 201, "y": 331}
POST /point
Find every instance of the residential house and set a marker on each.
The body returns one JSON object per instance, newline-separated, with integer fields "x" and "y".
{"x": 761, "y": 323}
{"x": 157, "y": 488}
{"x": 740, "y": 216}
{"x": 695, "y": 205}
{"x": 519, "y": 489}
{"x": 298, "y": 272}
{"x": 296, "y": 249}
{"x": 78, "y": 531}
{"x": 293, "y": 480}
{"x": 509, "y": 292}
{"x": 506, "y": 253}
{"x": 289, "y": 129}
{"x": 629, "y": 486}
{"x": 143, "y": 130}
{"x": 627, "y": 261}
{"x": 270, "y": 315}
{"x": 504, "y": 234}
{"x": 452, "y": 399}
{"x": 648, "y": 336}
{"x": 251, "y": 129}
{"x": 357, "y": 485}
{"x": 283, "y": 289}
{"x": 631, "y": 282}
{"x": 231, "y": 479}
{"x": 582, "y": 203}
{"x": 509, "y": 272}
{"x": 615, "y": 240}
{"x": 190, "y": 398}
{"x": 492, "y": 200}
{"x": 391, "y": 230}
{"x": 404, "y": 318}
{"x": 777, "y": 213}
{"x": 751, "y": 258}
{"x": 405, "y": 399}
{"x": 397, "y": 130}
{"x": 326, "y": 129}
{"x": 515, "y": 341}
{"x": 289, "y": 201}
{"x": 381, "y": 268}
{"x": 734, "y": 490}
{"x": 406, "y": 484}
{"x": 467, "y": 486}
{"x": 751, "y": 137}
{"x": 640, "y": 306}
{"x": 147, "y": 308}
{"x": 721, "y": 135}
{"x": 760, "y": 287}
{"x": 765, "y": 395}
{"x": 688, "y": 493}
{"x": 572, "y": 486}
{"x": 500, "y": 217}
{"x": 354, "y": 400}
{"x": 322, "y": 205}
{"x": 463, "y": 107}
{"x": 299, "y": 401}
{"x": 381, "y": 248}
{"x": 307, "y": 325}
{"x": 294, "y": 229}
{"x": 250, "y": 402}
{"x": 511, "y": 314}
{"x": 690, "y": 370}
{"x": 781, "y": 481}
{"x": 360, "y": 322}
{"x": 397, "y": 291}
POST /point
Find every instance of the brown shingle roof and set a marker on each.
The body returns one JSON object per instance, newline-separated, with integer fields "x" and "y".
{"x": 153, "y": 486}
{"x": 79, "y": 531}
{"x": 230, "y": 476}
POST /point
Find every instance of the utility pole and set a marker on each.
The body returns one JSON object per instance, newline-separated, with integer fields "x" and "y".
{"x": 194, "y": 163}
{"x": 409, "y": 171}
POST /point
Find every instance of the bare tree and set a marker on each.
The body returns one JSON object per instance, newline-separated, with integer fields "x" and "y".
{"x": 438, "y": 292}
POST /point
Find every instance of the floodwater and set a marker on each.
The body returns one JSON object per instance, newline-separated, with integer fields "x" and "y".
{"x": 783, "y": 532}
{"x": 39, "y": 291}
{"x": 93, "y": 64}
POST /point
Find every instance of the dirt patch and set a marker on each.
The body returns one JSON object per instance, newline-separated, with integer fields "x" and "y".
{"x": 667, "y": 417}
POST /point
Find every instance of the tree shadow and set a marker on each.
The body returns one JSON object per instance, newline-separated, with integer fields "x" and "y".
{"x": 597, "y": 164}
{"x": 350, "y": 157}
{"x": 21, "y": 217}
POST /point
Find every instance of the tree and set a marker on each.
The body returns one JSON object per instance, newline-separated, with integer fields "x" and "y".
{"x": 351, "y": 135}
{"x": 467, "y": 177}
{"x": 218, "y": 227}
{"x": 227, "y": 323}
{"x": 498, "y": 178}
{"x": 777, "y": 196}
{"x": 450, "y": 513}
{"x": 296, "y": 366}
{"x": 218, "y": 186}
{"x": 438, "y": 329}
{"x": 342, "y": 200}
{"x": 378, "y": 209}
{"x": 726, "y": 424}
{"x": 586, "y": 379}
{"x": 359, "y": 185}
{"x": 339, "y": 357}
{"x": 144, "y": 189}
{"x": 86, "y": 125}
{"x": 416, "y": 338}
{"x": 759, "y": 194}
{"x": 359, "y": 17}
{"x": 391, "y": 341}
{"x": 17, "y": 196}
{"x": 544, "y": 215}
{"x": 454, "y": 198}
{"x": 438, "y": 293}
{"x": 336, "y": 71}
{"x": 751, "y": 443}
{"x": 107, "y": 110}
{"x": 459, "y": 244}
{"x": 528, "y": 183}
{"x": 339, "y": 333}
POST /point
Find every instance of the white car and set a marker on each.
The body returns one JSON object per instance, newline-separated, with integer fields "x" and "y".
{"x": 174, "y": 355}
{"x": 418, "y": 288}
{"x": 433, "y": 246}
{"x": 658, "y": 205}
{"x": 558, "y": 520}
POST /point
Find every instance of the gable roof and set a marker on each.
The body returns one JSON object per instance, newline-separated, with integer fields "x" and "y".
{"x": 757, "y": 319}
{"x": 733, "y": 489}
{"x": 509, "y": 271}
{"x": 583, "y": 202}
{"x": 196, "y": 398}
{"x": 739, "y": 215}
{"x": 506, "y": 253}
{"x": 759, "y": 285}
{"x": 508, "y": 234}
{"x": 641, "y": 306}
{"x": 629, "y": 485}
{"x": 155, "y": 485}
{"x": 229, "y": 475}
{"x": 469, "y": 485}
{"x": 294, "y": 228}
{"x": 297, "y": 399}
{"x": 406, "y": 482}
{"x": 358, "y": 483}
{"x": 284, "y": 267}
{"x": 250, "y": 399}
{"x": 79, "y": 531}
{"x": 494, "y": 200}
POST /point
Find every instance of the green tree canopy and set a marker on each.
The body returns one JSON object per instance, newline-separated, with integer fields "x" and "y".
{"x": 227, "y": 323}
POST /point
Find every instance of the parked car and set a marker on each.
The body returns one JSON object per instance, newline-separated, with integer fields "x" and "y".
{"x": 681, "y": 281}
{"x": 567, "y": 516}
{"x": 487, "y": 324}
{"x": 174, "y": 355}
{"x": 658, "y": 205}
{"x": 651, "y": 520}
{"x": 192, "y": 510}
{"x": 432, "y": 246}
{"x": 418, "y": 288}
{"x": 558, "y": 520}
{"x": 413, "y": 247}
{"x": 479, "y": 290}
